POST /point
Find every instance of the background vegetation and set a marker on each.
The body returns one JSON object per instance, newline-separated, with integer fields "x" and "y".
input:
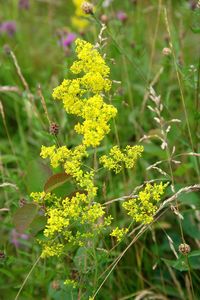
{"x": 155, "y": 43}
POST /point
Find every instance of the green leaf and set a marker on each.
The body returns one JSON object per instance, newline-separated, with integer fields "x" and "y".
{"x": 64, "y": 292}
{"x": 189, "y": 225}
{"x": 194, "y": 253}
{"x": 24, "y": 216}
{"x": 182, "y": 169}
{"x": 36, "y": 175}
{"x": 38, "y": 224}
{"x": 80, "y": 259}
{"x": 55, "y": 181}
{"x": 190, "y": 199}
{"x": 152, "y": 149}
{"x": 181, "y": 263}
{"x": 7, "y": 273}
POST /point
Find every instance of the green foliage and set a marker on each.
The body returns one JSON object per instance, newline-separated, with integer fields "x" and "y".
{"x": 181, "y": 264}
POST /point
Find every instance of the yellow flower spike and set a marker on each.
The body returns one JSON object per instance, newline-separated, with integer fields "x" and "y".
{"x": 93, "y": 82}
{"x": 80, "y": 97}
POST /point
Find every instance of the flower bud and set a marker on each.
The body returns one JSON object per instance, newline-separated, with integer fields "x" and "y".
{"x": 54, "y": 129}
{"x": 87, "y": 8}
{"x": 166, "y": 51}
{"x": 104, "y": 19}
{"x": 22, "y": 202}
{"x": 184, "y": 249}
{"x": 6, "y": 49}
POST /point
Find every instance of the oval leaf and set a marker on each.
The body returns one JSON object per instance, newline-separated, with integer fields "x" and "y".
{"x": 37, "y": 174}
{"x": 24, "y": 216}
{"x": 55, "y": 181}
{"x": 38, "y": 224}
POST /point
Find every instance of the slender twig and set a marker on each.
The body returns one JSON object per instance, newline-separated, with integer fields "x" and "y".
{"x": 187, "y": 189}
{"x": 43, "y": 103}
{"x": 19, "y": 72}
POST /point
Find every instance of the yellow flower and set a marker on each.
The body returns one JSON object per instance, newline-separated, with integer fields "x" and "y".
{"x": 143, "y": 208}
{"x": 56, "y": 156}
{"x": 119, "y": 233}
{"x": 41, "y": 197}
{"x": 51, "y": 249}
{"x": 57, "y": 220}
{"x": 90, "y": 60}
{"x": 71, "y": 282}
{"x": 73, "y": 94}
{"x": 117, "y": 158}
{"x": 77, "y": 218}
{"x": 92, "y": 214}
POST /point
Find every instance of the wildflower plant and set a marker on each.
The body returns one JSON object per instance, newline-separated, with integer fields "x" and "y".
{"x": 77, "y": 218}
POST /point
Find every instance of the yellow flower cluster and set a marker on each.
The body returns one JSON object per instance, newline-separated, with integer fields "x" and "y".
{"x": 143, "y": 208}
{"x": 80, "y": 19}
{"x": 119, "y": 233}
{"x": 71, "y": 282}
{"x": 117, "y": 158}
{"x": 42, "y": 198}
{"x": 51, "y": 249}
{"x": 62, "y": 217}
{"x": 72, "y": 161}
{"x": 94, "y": 81}
{"x": 75, "y": 219}
{"x": 57, "y": 156}
{"x": 95, "y": 126}
{"x": 83, "y": 98}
